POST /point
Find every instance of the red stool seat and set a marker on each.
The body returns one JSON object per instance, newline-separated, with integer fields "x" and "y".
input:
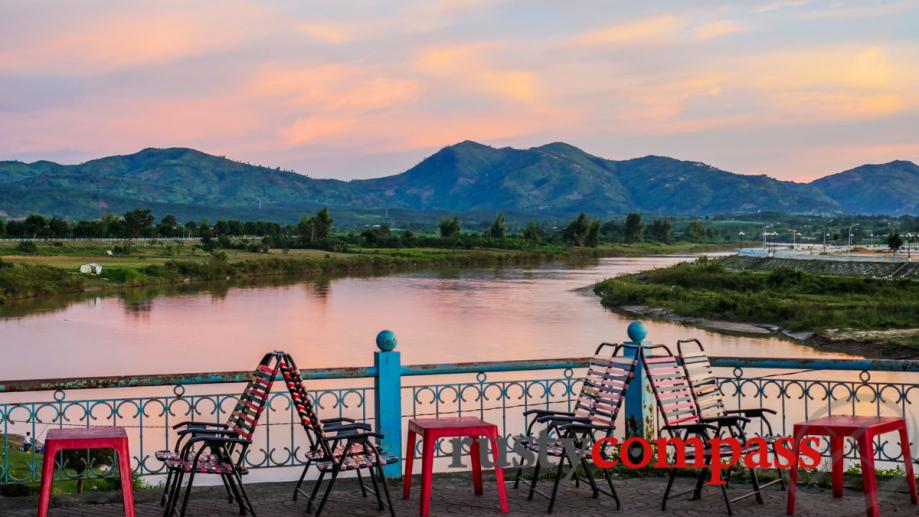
{"x": 433, "y": 429}
{"x": 863, "y": 429}
{"x": 87, "y": 438}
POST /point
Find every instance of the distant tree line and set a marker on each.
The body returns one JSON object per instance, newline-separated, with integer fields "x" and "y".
{"x": 316, "y": 231}
{"x": 582, "y": 231}
{"x": 133, "y": 224}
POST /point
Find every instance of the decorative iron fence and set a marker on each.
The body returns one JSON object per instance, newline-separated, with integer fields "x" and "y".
{"x": 147, "y": 406}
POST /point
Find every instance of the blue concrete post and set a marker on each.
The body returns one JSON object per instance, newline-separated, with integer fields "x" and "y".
{"x": 639, "y": 399}
{"x": 387, "y": 385}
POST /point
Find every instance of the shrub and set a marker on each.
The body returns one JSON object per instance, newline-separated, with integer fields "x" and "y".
{"x": 27, "y": 247}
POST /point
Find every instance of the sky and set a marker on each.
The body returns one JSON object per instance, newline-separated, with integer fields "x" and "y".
{"x": 794, "y": 89}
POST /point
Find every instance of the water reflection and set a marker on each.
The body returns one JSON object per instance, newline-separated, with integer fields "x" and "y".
{"x": 445, "y": 316}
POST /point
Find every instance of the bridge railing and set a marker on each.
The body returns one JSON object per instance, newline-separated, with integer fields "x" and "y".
{"x": 387, "y": 394}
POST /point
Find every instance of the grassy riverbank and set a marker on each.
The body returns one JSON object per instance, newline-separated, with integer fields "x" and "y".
{"x": 53, "y": 270}
{"x": 856, "y": 314}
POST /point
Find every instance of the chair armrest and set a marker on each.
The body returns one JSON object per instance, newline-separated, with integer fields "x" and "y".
{"x": 582, "y": 426}
{"x": 544, "y": 412}
{"x": 751, "y": 413}
{"x": 562, "y": 418}
{"x": 691, "y": 428}
{"x": 332, "y": 423}
{"x": 727, "y": 420}
{"x": 354, "y": 437}
{"x": 360, "y": 426}
{"x": 212, "y": 439}
{"x": 214, "y": 432}
{"x": 192, "y": 423}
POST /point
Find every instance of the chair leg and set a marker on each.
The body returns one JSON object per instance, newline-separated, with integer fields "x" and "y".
{"x": 727, "y": 500}
{"x": 558, "y": 479}
{"x": 779, "y": 471}
{"x": 309, "y": 504}
{"x": 590, "y": 478}
{"x": 612, "y": 489}
{"x": 360, "y": 481}
{"x": 533, "y": 481}
{"x": 226, "y": 487}
{"x": 697, "y": 493}
{"x": 242, "y": 490}
{"x": 328, "y": 490}
{"x": 302, "y": 477}
{"x": 166, "y": 489}
{"x": 781, "y": 479}
{"x": 667, "y": 490}
{"x": 376, "y": 487}
{"x": 239, "y": 500}
{"x": 191, "y": 480}
{"x": 174, "y": 494}
{"x": 392, "y": 511}
{"x": 756, "y": 490}
{"x": 517, "y": 479}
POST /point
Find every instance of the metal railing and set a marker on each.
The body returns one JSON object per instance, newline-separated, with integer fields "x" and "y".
{"x": 499, "y": 391}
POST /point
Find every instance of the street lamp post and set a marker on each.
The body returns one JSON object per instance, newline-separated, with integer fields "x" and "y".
{"x": 740, "y": 244}
{"x": 850, "y": 237}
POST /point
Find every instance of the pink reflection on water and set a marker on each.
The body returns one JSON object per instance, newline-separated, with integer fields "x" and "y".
{"x": 479, "y": 315}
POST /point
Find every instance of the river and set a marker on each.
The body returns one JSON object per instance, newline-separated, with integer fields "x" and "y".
{"x": 448, "y": 316}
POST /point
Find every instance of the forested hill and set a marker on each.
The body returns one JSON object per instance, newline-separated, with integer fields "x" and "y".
{"x": 552, "y": 180}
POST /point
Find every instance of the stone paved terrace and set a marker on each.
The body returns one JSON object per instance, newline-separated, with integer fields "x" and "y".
{"x": 453, "y": 496}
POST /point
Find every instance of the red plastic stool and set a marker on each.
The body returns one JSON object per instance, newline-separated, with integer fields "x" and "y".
{"x": 863, "y": 429}
{"x": 87, "y": 438}
{"x": 431, "y": 430}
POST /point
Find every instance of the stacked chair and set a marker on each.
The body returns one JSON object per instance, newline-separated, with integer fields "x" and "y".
{"x": 336, "y": 445}
{"x": 602, "y": 392}
{"x": 210, "y": 448}
{"x": 682, "y": 418}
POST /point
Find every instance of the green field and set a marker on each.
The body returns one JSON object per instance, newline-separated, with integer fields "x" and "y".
{"x": 875, "y": 312}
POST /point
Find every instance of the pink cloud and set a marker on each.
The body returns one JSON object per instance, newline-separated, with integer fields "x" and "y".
{"x": 85, "y": 44}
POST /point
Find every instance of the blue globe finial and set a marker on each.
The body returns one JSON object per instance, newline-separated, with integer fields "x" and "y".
{"x": 637, "y": 331}
{"x": 386, "y": 340}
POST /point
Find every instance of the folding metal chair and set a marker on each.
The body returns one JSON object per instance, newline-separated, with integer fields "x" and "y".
{"x": 336, "y": 445}
{"x": 219, "y": 449}
{"x": 710, "y": 404}
{"x": 682, "y": 419}
{"x": 598, "y": 403}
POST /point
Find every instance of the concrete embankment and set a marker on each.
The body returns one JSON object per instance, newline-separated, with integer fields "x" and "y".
{"x": 880, "y": 268}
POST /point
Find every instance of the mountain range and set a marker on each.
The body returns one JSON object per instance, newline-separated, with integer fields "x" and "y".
{"x": 552, "y": 180}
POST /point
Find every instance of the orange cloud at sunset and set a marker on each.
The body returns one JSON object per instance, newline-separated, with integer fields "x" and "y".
{"x": 468, "y": 65}
{"x": 326, "y": 33}
{"x": 363, "y": 92}
{"x": 116, "y": 39}
{"x": 655, "y": 29}
{"x": 718, "y": 28}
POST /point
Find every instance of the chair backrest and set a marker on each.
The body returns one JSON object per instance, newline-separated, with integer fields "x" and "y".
{"x": 702, "y": 382}
{"x": 671, "y": 387}
{"x": 245, "y": 415}
{"x": 605, "y": 384}
{"x": 303, "y": 404}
